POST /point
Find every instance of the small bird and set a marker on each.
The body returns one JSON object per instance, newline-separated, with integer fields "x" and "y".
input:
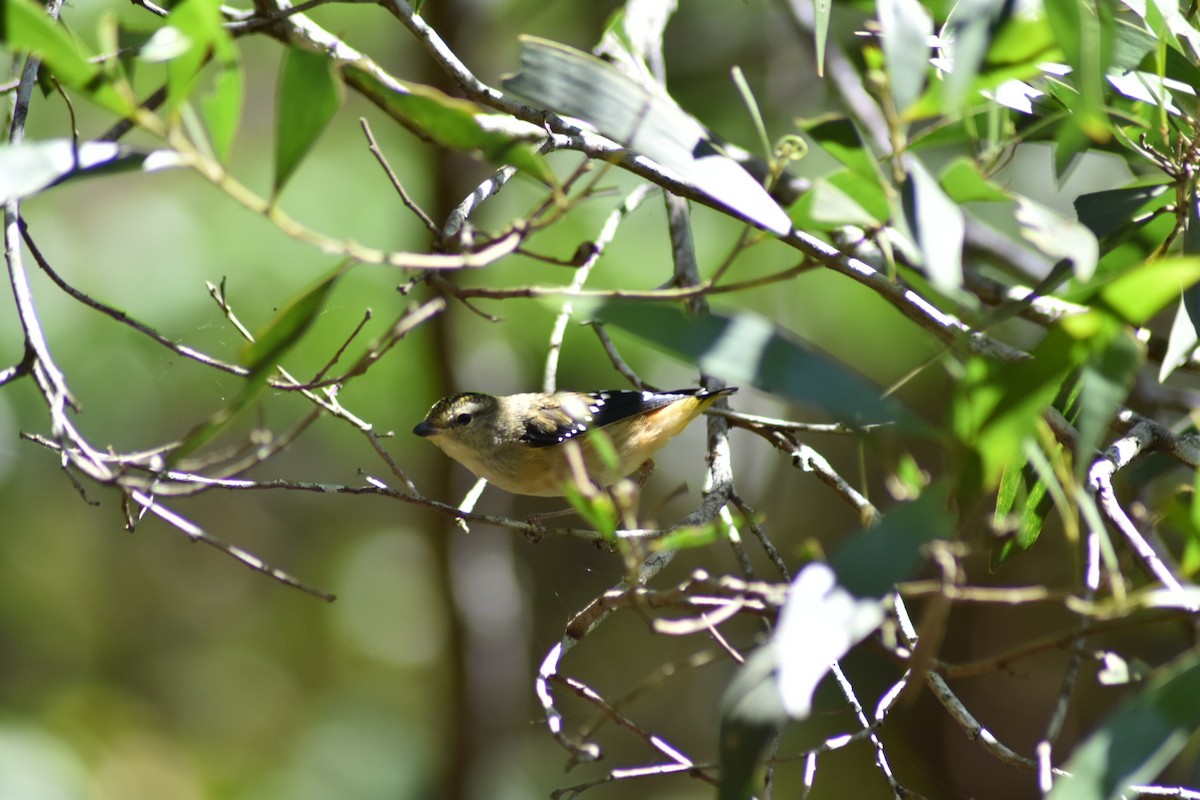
{"x": 518, "y": 441}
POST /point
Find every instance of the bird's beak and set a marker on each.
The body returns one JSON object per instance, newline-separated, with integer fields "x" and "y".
{"x": 424, "y": 428}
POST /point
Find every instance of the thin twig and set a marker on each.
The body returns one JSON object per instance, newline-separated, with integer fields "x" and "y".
{"x": 409, "y": 203}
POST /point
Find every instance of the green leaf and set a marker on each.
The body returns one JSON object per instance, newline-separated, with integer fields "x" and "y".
{"x": 906, "y": 27}
{"x": 1184, "y": 337}
{"x": 289, "y": 324}
{"x": 747, "y": 349}
{"x": 964, "y": 183}
{"x": 597, "y": 509}
{"x": 222, "y": 106}
{"x": 841, "y": 138}
{"x": 1011, "y": 482}
{"x": 261, "y": 356}
{"x": 997, "y": 406}
{"x": 455, "y": 123}
{"x": 310, "y": 93}
{"x": 830, "y": 208}
{"x": 198, "y": 24}
{"x": 690, "y": 536}
{"x": 819, "y": 623}
{"x": 1107, "y": 376}
{"x": 821, "y": 9}
{"x": 1139, "y": 294}
{"x": 30, "y": 167}
{"x": 1139, "y": 739}
{"x": 1023, "y": 39}
{"x": 29, "y": 30}
{"x": 1084, "y": 31}
{"x": 644, "y": 119}
{"x": 937, "y": 225}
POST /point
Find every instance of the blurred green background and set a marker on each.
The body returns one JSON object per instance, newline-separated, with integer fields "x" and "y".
{"x": 138, "y": 666}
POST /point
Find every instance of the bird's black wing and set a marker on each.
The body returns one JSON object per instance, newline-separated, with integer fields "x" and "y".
{"x": 552, "y": 425}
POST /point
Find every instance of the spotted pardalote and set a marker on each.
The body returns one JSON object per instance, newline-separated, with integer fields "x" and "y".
{"x": 518, "y": 442}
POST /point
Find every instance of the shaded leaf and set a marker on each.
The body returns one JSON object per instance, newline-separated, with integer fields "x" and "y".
{"x": 1182, "y": 340}
{"x": 871, "y": 563}
{"x": 1107, "y": 376}
{"x": 996, "y": 406}
{"x": 751, "y": 712}
{"x": 747, "y": 349}
{"x": 968, "y": 28}
{"x": 310, "y": 93}
{"x": 1185, "y": 330}
{"x": 1106, "y": 211}
{"x": 1138, "y": 740}
{"x": 1084, "y": 31}
{"x": 841, "y": 138}
{"x": 643, "y": 118}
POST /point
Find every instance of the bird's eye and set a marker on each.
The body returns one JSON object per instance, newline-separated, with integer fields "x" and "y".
{"x": 463, "y": 419}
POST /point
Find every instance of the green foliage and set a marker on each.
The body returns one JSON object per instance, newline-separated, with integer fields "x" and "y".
{"x": 29, "y": 30}
{"x": 1139, "y": 739}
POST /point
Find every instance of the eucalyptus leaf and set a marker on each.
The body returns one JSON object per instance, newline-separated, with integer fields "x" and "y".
{"x": 198, "y": 24}
{"x": 645, "y": 119}
{"x": 1107, "y": 211}
{"x": 29, "y": 167}
{"x": 1183, "y": 338}
{"x": 748, "y": 349}
{"x": 751, "y": 713}
{"x": 906, "y": 27}
{"x": 1059, "y": 237}
{"x": 819, "y": 623}
{"x": 310, "y": 93}
{"x": 938, "y": 226}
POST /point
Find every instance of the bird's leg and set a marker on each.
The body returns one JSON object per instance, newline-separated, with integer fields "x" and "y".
{"x": 644, "y": 472}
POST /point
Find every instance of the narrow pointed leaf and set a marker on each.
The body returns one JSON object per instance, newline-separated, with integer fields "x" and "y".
{"x": 906, "y": 27}
{"x": 197, "y": 24}
{"x": 309, "y": 95}
{"x": 938, "y": 225}
{"x": 30, "y": 167}
{"x": 645, "y": 119}
{"x": 749, "y": 350}
{"x": 288, "y": 325}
